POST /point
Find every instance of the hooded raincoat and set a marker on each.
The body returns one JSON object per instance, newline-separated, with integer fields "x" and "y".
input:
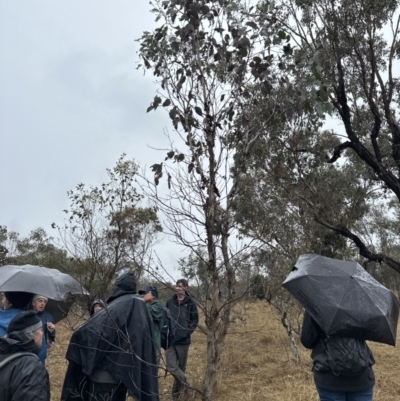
{"x": 119, "y": 340}
{"x": 23, "y": 378}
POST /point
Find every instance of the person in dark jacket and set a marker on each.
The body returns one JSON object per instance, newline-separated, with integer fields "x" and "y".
{"x": 113, "y": 351}
{"x": 97, "y": 306}
{"x": 150, "y": 296}
{"x": 22, "y": 376}
{"x": 13, "y": 302}
{"x": 185, "y": 315}
{"x": 49, "y": 330}
{"x": 331, "y": 386}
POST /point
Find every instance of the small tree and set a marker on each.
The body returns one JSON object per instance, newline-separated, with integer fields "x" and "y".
{"x": 107, "y": 231}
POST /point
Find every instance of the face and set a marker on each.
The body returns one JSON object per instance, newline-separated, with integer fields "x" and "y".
{"x": 5, "y": 302}
{"x": 148, "y": 297}
{"x": 38, "y": 337}
{"x": 180, "y": 289}
{"x": 97, "y": 307}
{"x": 39, "y": 304}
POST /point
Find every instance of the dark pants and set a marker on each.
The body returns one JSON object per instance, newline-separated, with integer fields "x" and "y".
{"x": 176, "y": 357}
{"x": 105, "y": 392}
{"x": 325, "y": 395}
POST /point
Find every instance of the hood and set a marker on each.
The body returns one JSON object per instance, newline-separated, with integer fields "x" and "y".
{"x": 124, "y": 284}
{"x": 16, "y": 342}
{"x": 96, "y": 301}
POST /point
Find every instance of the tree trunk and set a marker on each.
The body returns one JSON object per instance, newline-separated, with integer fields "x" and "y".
{"x": 213, "y": 355}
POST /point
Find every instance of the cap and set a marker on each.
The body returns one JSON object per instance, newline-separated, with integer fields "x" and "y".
{"x": 149, "y": 288}
{"x": 38, "y": 296}
{"x": 25, "y": 321}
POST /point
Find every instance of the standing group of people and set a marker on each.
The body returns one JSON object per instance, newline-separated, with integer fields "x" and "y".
{"x": 117, "y": 350}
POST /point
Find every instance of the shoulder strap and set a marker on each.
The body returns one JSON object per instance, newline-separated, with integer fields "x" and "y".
{"x": 14, "y": 356}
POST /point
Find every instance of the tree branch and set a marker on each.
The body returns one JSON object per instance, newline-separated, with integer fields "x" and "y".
{"x": 363, "y": 249}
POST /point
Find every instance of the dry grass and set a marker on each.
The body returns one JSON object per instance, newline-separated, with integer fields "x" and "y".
{"x": 256, "y": 364}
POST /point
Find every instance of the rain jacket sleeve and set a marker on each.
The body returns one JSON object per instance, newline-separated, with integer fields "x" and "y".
{"x": 74, "y": 382}
{"x": 51, "y": 336}
{"x": 194, "y": 318}
{"x": 311, "y": 333}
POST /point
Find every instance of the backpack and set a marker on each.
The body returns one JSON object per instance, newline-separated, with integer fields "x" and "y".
{"x": 5, "y": 361}
{"x": 344, "y": 356}
{"x": 168, "y": 330}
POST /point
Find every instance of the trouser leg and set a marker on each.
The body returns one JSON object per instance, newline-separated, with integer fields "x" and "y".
{"x": 176, "y": 359}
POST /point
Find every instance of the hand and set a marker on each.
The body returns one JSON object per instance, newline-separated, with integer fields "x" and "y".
{"x": 51, "y": 327}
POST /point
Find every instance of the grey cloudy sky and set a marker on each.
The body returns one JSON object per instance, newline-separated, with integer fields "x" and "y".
{"x": 71, "y": 102}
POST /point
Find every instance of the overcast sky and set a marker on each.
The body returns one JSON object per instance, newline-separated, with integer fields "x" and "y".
{"x": 71, "y": 102}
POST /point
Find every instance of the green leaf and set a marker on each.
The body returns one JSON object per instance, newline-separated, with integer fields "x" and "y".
{"x": 166, "y": 103}
{"x": 149, "y": 108}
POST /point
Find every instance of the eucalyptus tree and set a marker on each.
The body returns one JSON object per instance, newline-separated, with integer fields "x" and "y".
{"x": 204, "y": 54}
{"x": 343, "y": 60}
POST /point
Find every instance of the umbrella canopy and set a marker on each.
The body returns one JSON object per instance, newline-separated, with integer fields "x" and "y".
{"x": 344, "y": 299}
{"x": 58, "y": 287}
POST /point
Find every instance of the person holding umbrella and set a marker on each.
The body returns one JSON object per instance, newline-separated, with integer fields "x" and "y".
{"x": 330, "y": 385}
{"x": 49, "y": 330}
{"x": 345, "y": 306}
{"x": 13, "y": 303}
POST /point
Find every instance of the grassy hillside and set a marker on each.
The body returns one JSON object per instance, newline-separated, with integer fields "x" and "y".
{"x": 256, "y": 364}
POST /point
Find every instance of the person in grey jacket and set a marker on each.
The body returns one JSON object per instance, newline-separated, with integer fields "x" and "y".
{"x": 184, "y": 313}
{"x": 22, "y": 376}
{"x": 331, "y": 386}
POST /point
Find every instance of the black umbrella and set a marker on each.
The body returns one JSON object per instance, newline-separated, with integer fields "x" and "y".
{"x": 344, "y": 299}
{"x": 51, "y": 283}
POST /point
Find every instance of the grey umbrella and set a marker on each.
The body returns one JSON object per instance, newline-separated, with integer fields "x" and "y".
{"x": 59, "y": 287}
{"x": 344, "y": 299}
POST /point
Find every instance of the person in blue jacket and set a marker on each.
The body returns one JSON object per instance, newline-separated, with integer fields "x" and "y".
{"x": 49, "y": 330}
{"x": 13, "y": 302}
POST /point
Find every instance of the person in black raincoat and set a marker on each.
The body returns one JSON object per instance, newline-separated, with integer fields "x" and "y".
{"x": 332, "y": 386}
{"x": 22, "y": 376}
{"x": 113, "y": 351}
